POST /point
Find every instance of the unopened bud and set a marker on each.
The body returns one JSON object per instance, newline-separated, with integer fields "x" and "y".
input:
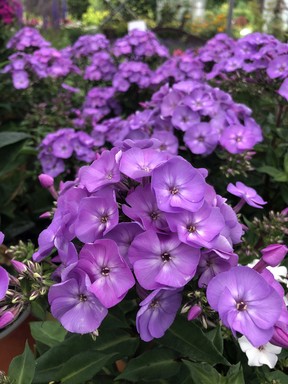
{"x": 33, "y": 295}
{"x": 46, "y": 181}
{"x": 20, "y": 267}
{"x": 274, "y": 254}
{"x": 194, "y": 312}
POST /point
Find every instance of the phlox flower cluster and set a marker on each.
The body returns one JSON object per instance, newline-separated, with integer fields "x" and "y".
{"x": 27, "y": 38}
{"x": 207, "y": 117}
{"x": 144, "y": 217}
{"x": 138, "y": 45}
{"x": 62, "y": 145}
{"x": 256, "y": 53}
{"x": 186, "y": 66}
{"x": 130, "y": 73}
{"x": 99, "y": 102}
{"x": 102, "y": 67}
{"x": 44, "y": 62}
{"x": 136, "y": 215}
{"x": 88, "y": 45}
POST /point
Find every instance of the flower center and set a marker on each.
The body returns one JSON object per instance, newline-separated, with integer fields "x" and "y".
{"x": 104, "y": 219}
{"x": 154, "y": 304}
{"x": 241, "y": 306}
{"x": 261, "y": 347}
{"x": 109, "y": 176}
{"x": 238, "y": 139}
{"x": 201, "y": 139}
{"x": 174, "y": 190}
{"x": 191, "y": 228}
{"x": 154, "y": 215}
{"x": 105, "y": 271}
{"x": 82, "y": 297}
{"x": 165, "y": 256}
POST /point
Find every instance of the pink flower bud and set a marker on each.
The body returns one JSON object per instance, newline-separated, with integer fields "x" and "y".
{"x": 45, "y": 180}
{"x": 194, "y": 312}
{"x": 274, "y": 254}
{"x": 20, "y": 267}
{"x": 45, "y": 215}
{"x": 280, "y": 337}
{"x": 6, "y": 318}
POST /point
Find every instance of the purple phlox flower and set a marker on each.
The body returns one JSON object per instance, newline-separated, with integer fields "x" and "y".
{"x": 278, "y": 67}
{"x": 110, "y": 275}
{"x": 237, "y": 138}
{"x": 143, "y": 209}
{"x": 283, "y": 90}
{"x": 233, "y": 229}
{"x": 167, "y": 142}
{"x": 198, "y": 229}
{"x": 157, "y": 313}
{"x": 199, "y": 100}
{"x": 62, "y": 147}
{"x": 246, "y": 303}
{"x": 20, "y": 79}
{"x": 211, "y": 264}
{"x": 184, "y": 118}
{"x": 4, "y": 282}
{"x": 1, "y": 237}
{"x": 137, "y": 163}
{"x": 178, "y": 185}
{"x": 123, "y": 235}
{"x": 162, "y": 260}
{"x": 170, "y": 102}
{"x": 74, "y": 305}
{"x": 68, "y": 205}
{"x": 101, "y": 172}
{"x": 201, "y": 139}
{"x": 142, "y": 119}
{"x": 96, "y": 217}
{"x": 247, "y": 194}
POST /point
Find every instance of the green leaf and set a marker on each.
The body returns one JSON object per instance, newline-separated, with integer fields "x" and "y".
{"x": 278, "y": 376}
{"x": 51, "y": 363}
{"x": 84, "y": 366}
{"x": 8, "y": 138}
{"x": 278, "y": 175}
{"x": 151, "y": 365}
{"x": 48, "y": 332}
{"x": 188, "y": 339}
{"x": 22, "y": 367}
{"x": 235, "y": 375}
{"x": 216, "y": 337}
{"x": 286, "y": 163}
{"x": 205, "y": 374}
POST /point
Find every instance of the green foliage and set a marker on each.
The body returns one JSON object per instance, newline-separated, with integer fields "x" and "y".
{"x": 151, "y": 365}
{"x": 50, "y": 333}
{"x": 77, "y": 7}
{"x": 22, "y": 367}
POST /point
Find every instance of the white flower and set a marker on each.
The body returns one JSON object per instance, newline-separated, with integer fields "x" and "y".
{"x": 266, "y": 354}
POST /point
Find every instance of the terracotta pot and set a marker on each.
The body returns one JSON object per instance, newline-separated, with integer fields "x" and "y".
{"x": 13, "y": 338}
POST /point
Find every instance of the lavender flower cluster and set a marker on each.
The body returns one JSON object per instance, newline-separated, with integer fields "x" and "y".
{"x": 132, "y": 72}
{"x": 141, "y": 216}
{"x": 207, "y": 116}
{"x": 138, "y": 45}
{"x": 27, "y": 38}
{"x": 256, "y": 53}
{"x": 61, "y": 145}
{"x": 102, "y": 67}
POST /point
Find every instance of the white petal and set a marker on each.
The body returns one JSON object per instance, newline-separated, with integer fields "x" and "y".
{"x": 245, "y": 345}
{"x": 254, "y": 357}
{"x": 270, "y": 348}
{"x": 268, "y": 358}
